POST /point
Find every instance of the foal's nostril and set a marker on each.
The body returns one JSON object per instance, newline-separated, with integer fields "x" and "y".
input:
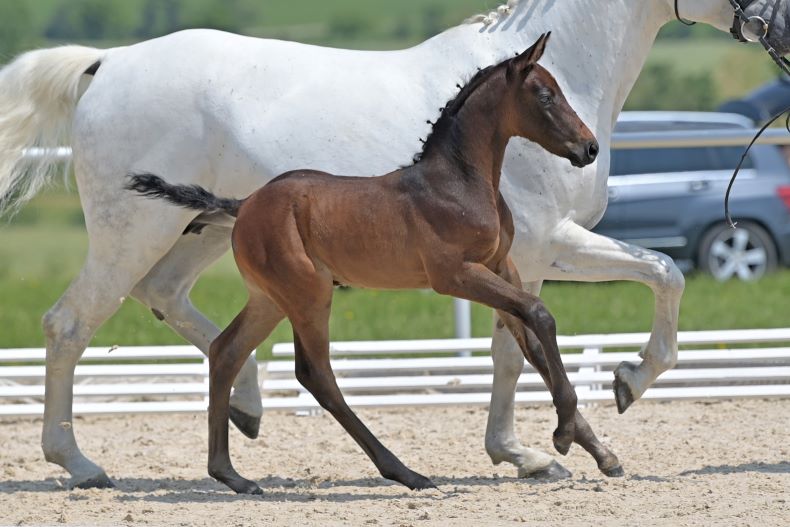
{"x": 592, "y": 150}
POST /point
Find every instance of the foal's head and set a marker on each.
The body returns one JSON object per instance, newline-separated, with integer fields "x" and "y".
{"x": 540, "y": 112}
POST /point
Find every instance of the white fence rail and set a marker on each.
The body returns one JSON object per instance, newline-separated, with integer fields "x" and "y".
{"x": 403, "y": 373}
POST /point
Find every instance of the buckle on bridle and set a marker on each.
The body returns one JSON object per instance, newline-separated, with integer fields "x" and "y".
{"x": 751, "y": 29}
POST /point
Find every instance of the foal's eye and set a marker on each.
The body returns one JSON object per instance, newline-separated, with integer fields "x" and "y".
{"x": 545, "y": 97}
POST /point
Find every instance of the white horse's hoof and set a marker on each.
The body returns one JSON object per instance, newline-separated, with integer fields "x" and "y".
{"x": 623, "y": 394}
{"x": 552, "y": 472}
{"x": 249, "y": 425}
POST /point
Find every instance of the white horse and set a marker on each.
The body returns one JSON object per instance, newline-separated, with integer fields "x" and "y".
{"x": 229, "y": 112}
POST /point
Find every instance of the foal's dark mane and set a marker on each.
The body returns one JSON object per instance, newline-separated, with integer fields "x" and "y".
{"x": 450, "y": 111}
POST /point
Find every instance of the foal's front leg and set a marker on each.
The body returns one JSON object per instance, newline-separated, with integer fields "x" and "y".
{"x": 584, "y": 435}
{"x": 476, "y": 282}
{"x": 587, "y": 257}
{"x": 501, "y": 441}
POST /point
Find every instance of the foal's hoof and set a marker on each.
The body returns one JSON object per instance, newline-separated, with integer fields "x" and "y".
{"x": 552, "y": 472}
{"x": 418, "y": 482}
{"x": 623, "y": 395}
{"x": 240, "y": 485}
{"x": 614, "y": 472}
{"x": 247, "y": 424}
{"x": 562, "y": 440}
{"x": 100, "y": 481}
{"x": 250, "y": 489}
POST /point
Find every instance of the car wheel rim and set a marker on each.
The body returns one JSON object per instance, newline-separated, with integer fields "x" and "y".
{"x": 737, "y": 253}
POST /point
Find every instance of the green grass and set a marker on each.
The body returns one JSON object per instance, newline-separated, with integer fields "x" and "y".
{"x": 43, "y": 248}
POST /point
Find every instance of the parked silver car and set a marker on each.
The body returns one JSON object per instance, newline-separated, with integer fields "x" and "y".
{"x": 671, "y": 199}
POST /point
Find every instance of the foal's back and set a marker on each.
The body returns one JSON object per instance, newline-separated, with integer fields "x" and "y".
{"x": 359, "y": 230}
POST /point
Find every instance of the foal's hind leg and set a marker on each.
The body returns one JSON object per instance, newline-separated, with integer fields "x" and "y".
{"x": 227, "y": 355}
{"x": 165, "y": 290}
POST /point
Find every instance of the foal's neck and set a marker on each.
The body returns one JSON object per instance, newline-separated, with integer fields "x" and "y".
{"x": 473, "y": 143}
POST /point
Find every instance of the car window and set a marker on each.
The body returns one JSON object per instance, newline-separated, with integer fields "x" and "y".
{"x": 662, "y": 160}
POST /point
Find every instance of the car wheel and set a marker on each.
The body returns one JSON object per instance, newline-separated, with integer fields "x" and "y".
{"x": 746, "y": 252}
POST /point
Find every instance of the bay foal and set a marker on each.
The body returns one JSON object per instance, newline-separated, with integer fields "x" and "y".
{"x": 440, "y": 223}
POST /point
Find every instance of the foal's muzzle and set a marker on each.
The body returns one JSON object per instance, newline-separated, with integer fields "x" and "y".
{"x": 587, "y": 154}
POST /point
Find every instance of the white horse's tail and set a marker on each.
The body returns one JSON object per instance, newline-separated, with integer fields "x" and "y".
{"x": 39, "y": 91}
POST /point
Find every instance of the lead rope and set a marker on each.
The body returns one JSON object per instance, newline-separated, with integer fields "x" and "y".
{"x": 780, "y": 61}
{"x": 784, "y": 65}
{"x": 743, "y": 158}
{"x": 680, "y": 18}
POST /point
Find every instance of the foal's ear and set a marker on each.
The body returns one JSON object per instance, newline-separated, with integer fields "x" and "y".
{"x": 524, "y": 62}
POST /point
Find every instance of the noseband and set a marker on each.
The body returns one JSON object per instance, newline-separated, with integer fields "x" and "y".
{"x": 748, "y": 29}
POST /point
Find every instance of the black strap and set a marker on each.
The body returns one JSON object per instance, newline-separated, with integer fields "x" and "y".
{"x": 743, "y": 158}
{"x": 740, "y": 17}
{"x": 680, "y": 18}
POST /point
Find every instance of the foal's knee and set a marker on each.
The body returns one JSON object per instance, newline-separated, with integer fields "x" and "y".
{"x": 539, "y": 318}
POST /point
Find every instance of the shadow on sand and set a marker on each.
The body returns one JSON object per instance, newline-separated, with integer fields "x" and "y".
{"x": 783, "y": 467}
{"x": 168, "y": 490}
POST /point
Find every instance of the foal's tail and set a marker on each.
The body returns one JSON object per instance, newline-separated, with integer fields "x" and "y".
{"x": 193, "y": 197}
{"x": 38, "y": 94}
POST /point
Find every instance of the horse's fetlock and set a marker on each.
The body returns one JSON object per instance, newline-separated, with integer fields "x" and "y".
{"x": 663, "y": 361}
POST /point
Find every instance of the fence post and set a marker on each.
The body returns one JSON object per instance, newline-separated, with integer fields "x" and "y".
{"x": 462, "y": 310}
{"x": 584, "y": 387}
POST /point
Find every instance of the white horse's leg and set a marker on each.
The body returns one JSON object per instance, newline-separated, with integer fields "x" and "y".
{"x": 587, "y": 257}
{"x": 165, "y": 290}
{"x": 501, "y": 442}
{"x": 113, "y": 265}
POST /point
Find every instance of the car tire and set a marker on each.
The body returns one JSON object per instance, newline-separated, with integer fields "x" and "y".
{"x": 746, "y": 252}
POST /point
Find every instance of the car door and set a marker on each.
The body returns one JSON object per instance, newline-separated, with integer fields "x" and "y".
{"x": 656, "y": 191}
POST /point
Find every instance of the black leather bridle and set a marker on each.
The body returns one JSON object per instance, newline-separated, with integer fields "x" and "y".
{"x": 749, "y": 29}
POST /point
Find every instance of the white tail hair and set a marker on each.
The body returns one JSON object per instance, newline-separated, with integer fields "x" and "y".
{"x": 39, "y": 91}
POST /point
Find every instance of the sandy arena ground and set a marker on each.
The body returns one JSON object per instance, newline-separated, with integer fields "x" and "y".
{"x": 723, "y": 463}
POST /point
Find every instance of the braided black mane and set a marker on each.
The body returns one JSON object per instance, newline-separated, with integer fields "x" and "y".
{"x": 453, "y": 106}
